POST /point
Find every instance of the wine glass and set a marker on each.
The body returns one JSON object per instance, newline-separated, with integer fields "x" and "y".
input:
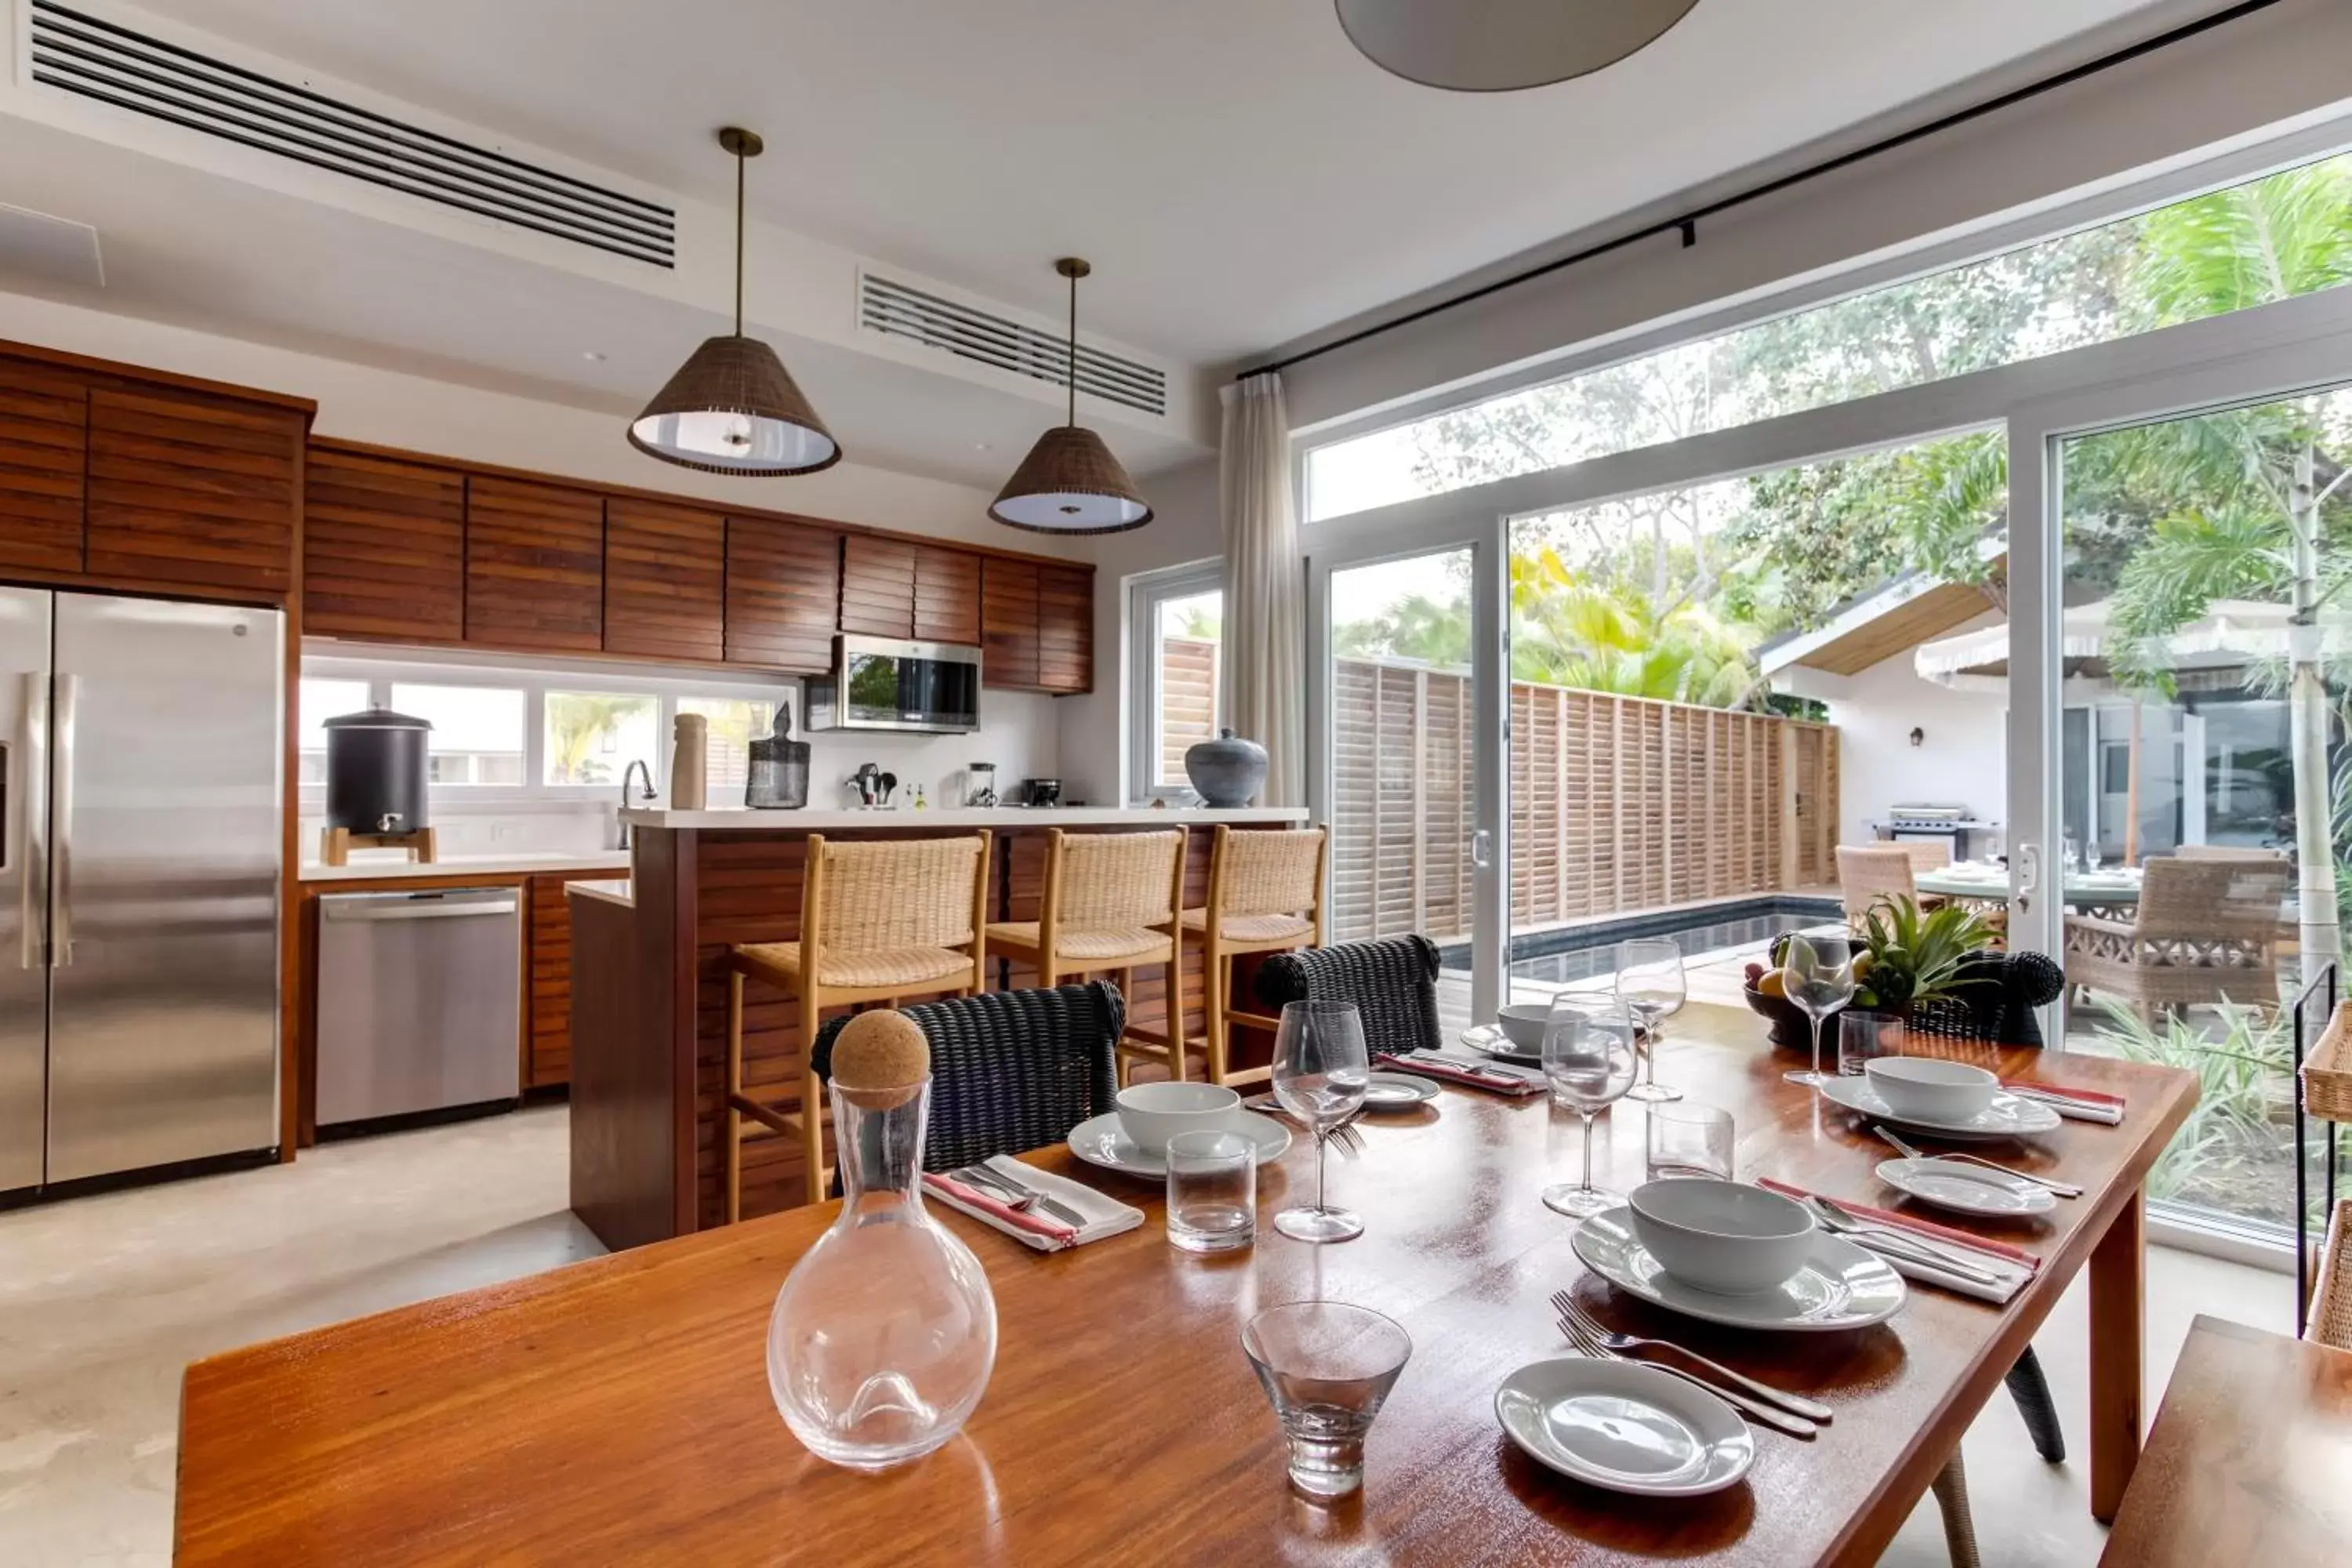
{"x": 1321, "y": 1071}
{"x": 1820, "y": 981}
{"x": 1650, "y": 983}
{"x": 1590, "y": 1057}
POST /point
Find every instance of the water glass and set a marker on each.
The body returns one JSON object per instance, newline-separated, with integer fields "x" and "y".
{"x": 1864, "y": 1037}
{"x": 1820, "y": 971}
{"x": 1327, "y": 1368}
{"x": 1650, "y": 982}
{"x": 1321, "y": 1073}
{"x": 1589, "y": 1058}
{"x": 1689, "y": 1141}
{"x": 1211, "y": 1191}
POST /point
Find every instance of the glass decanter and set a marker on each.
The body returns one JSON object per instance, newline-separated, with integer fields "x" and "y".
{"x": 885, "y": 1332}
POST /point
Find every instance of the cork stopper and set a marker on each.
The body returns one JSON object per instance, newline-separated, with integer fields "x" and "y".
{"x": 880, "y": 1060}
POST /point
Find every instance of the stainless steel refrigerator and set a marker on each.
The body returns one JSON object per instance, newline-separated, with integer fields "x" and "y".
{"x": 140, "y": 851}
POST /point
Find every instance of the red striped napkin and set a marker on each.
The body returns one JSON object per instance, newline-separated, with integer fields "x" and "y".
{"x": 1517, "y": 1085}
{"x": 982, "y": 1204}
{"x": 1927, "y": 1227}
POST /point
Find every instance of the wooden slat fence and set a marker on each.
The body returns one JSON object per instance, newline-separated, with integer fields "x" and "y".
{"x": 1617, "y": 803}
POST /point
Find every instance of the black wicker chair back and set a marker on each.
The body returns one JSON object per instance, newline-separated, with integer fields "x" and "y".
{"x": 1998, "y": 1006}
{"x": 1011, "y": 1070}
{"x": 1392, "y": 981}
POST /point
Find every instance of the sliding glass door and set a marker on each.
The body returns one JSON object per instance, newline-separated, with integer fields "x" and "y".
{"x": 1407, "y": 646}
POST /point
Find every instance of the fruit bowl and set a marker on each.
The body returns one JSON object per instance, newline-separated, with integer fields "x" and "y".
{"x": 1791, "y": 1030}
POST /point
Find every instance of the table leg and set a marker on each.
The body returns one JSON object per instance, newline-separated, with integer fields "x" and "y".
{"x": 2118, "y": 1322}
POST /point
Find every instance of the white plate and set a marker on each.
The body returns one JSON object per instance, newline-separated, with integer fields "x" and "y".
{"x": 1625, "y": 1427}
{"x": 1099, "y": 1140}
{"x": 1840, "y": 1287}
{"x": 2009, "y": 1115}
{"x": 1397, "y": 1091}
{"x": 1488, "y": 1040}
{"x": 1967, "y": 1189}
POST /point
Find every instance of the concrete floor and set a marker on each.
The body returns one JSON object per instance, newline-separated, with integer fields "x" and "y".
{"x": 104, "y": 1300}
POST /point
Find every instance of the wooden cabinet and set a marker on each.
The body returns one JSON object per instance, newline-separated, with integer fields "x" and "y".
{"x": 878, "y": 586}
{"x": 534, "y": 567}
{"x": 1065, "y": 628}
{"x": 1008, "y": 619}
{"x": 44, "y": 452}
{"x": 384, "y": 548}
{"x": 946, "y": 596}
{"x": 784, "y": 593}
{"x": 189, "y": 490}
{"x": 665, "y": 580}
{"x": 547, "y": 1057}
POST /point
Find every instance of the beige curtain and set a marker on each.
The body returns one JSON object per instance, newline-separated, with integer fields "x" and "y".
{"x": 1265, "y": 587}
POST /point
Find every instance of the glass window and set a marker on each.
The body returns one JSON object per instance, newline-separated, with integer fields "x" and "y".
{"x": 320, "y": 700}
{"x": 733, "y": 724}
{"x": 592, "y": 737}
{"x": 478, "y": 732}
{"x": 1184, "y": 668}
{"x": 2268, "y": 239}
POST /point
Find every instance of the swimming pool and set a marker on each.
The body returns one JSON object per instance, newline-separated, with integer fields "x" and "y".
{"x": 1570, "y": 953}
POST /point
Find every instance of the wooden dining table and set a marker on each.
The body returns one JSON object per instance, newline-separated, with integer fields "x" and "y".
{"x": 617, "y": 1410}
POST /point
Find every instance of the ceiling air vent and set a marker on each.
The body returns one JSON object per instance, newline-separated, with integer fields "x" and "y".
{"x": 898, "y": 310}
{"x": 98, "y": 59}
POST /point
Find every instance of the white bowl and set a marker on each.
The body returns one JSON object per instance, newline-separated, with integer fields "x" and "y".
{"x": 1522, "y": 1024}
{"x": 1152, "y": 1114}
{"x": 1930, "y": 1088}
{"x": 1722, "y": 1236}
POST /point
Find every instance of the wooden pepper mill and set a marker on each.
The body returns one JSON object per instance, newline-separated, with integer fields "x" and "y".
{"x": 689, "y": 752}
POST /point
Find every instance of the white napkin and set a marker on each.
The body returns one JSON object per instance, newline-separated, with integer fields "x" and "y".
{"x": 2011, "y": 1277}
{"x": 2106, "y": 1111}
{"x": 1034, "y": 1226}
{"x": 2007, "y": 1266}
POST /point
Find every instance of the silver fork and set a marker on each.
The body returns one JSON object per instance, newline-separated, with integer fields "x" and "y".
{"x": 1896, "y": 1240}
{"x": 1565, "y": 1305}
{"x": 1755, "y": 1410}
{"x": 1909, "y": 1151}
{"x": 1344, "y": 1134}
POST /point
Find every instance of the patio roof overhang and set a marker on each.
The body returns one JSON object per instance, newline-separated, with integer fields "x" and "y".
{"x": 1872, "y": 630}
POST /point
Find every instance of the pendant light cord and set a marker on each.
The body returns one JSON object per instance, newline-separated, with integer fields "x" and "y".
{"x": 1073, "y": 351}
{"x": 738, "y": 242}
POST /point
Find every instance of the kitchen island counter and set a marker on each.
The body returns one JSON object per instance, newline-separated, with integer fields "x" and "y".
{"x": 1005, "y": 818}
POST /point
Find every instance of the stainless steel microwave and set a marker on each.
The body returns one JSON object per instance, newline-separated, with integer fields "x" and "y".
{"x": 881, "y": 683}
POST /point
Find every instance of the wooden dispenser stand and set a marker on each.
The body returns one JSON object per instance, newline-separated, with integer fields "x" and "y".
{"x": 336, "y": 844}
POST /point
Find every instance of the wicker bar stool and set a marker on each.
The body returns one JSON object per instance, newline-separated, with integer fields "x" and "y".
{"x": 1111, "y": 901}
{"x": 879, "y": 920}
{"x": 1266, "y": 895}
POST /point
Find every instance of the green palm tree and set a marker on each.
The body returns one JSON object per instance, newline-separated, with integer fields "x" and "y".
{"x": 1567, "y": 630}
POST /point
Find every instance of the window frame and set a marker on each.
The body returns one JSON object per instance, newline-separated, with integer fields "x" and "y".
{"x": 1145, "y": 593}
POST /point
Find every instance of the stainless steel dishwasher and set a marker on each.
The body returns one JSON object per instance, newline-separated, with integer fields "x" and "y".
{"x": 420, "y": 1002}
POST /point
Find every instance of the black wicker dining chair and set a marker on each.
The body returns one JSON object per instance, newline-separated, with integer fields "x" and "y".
{"x": 1392, "y": 981}
{"x": 1011, "y": 1070}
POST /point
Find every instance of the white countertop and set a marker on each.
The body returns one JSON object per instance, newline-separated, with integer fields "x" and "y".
{"x": 614, "y": 891}
{"x": 1011, "y": 818}
{"x": 393, "y": 864}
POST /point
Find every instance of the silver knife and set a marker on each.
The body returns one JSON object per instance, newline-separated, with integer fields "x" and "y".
{"x": 987, "y": 1175}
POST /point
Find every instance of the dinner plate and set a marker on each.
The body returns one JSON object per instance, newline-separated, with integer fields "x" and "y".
{"x": 1967, "y": 1189}
{"x": 1840, "y": 1287}
{"x": 1397, "y": 1091}
{"x": 1100, "y": 1141}
{"x": 1625, "y": 1426}
{"x": 2009, "y": 1115}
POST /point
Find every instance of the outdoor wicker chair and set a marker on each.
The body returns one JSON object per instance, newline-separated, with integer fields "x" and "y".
{"x": 1011, "y": 1070}
{"x": 2206, "y": 932}
{"x": 1871, "y": 873}
{"x": 1392, "y": 981}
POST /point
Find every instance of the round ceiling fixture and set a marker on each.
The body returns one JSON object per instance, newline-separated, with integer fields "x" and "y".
{"x": 1503, "y": 45}
{"x": 733, "y": 408}
{"x": 1069, "y": 482}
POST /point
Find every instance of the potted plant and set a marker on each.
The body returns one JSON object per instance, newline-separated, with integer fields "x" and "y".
{"x": 1906, "y": 963}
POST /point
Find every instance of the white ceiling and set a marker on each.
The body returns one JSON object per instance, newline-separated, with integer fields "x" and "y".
{"x": 1238, "y": 175}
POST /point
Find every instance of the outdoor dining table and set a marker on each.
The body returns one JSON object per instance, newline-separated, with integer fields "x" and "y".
{"x": 2116, "y": 889}
{"x": 618, "y": 1410}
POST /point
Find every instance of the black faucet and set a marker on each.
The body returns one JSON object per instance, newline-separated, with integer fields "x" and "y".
{"x": 634, "y": 768}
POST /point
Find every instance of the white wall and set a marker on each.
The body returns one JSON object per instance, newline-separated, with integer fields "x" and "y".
{"x": 361, "y": 402}
{"x": 1962, "y": 757}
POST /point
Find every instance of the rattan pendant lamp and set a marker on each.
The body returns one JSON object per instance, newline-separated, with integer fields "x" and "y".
{"x": 1503, "y": 45}
{"x": 733, "y": 408}
{"x": 1069, "y": 483}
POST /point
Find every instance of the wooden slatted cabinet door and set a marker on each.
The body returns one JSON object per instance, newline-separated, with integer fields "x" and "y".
{"x": 1008, "y": 613}
{"x": 191, "y": 490}
{"x": 1065, "y": 628}
{"x": 665, "y": 580}
{"x": 550, "y": 959}
{"x": 946, "y": 596}
{"x": 878, "y": 586}
{"x": 534, "y": 565}
{"x": 44, "y": 449}
{"x": 784, "y": 593}
{"x": 384, "y": 548}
